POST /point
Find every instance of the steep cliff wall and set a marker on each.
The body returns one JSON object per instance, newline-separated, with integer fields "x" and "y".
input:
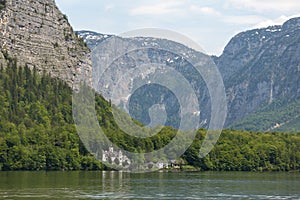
{"x": 38, "y": 34}
{"x": 261, "y": 68}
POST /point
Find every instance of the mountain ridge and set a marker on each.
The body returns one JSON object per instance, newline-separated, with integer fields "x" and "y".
{"x": 260, "y": 68}
{"x": 270, "y": 74}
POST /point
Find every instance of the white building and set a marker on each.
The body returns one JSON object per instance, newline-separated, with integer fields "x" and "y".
{"x": 115, "y": 157}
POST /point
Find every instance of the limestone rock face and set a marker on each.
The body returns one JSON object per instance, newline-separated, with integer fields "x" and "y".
{"x": 39, "y": 35}
{"x": 260, "y": 69}
{"x": 261, "y": 72}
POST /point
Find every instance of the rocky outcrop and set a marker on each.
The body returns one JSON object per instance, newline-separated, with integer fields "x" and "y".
{"x": 39, "y": 35}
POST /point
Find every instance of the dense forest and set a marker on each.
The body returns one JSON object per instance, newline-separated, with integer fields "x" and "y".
{"x": 285, "y": 111}
{"x": 37, "y": 132}
{"x": 36, "y": 124}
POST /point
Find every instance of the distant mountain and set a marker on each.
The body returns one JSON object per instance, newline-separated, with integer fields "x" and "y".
{"x": 41, "y": 58}
{"x": 152, "y": 51}
{"x": 261, "y": 70}
{"x": 91, "y": 38}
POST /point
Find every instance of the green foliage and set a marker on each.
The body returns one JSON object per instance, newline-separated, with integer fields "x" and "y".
{"x": 2, "y": 4}
{"x": 65, "y": 17}
{"x": 247, "y": 151}
{"x": 80, "y": 40}
{"x": 36, "y": 125}
{"x": 37, "y": 132}
{"x": 234, "y": 151}
{"x": 279, "y": 116}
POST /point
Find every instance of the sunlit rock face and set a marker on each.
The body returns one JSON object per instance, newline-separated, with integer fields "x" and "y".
{"x": 39, "y": 35}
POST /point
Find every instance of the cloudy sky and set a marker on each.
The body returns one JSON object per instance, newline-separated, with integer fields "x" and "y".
{"x": 210, "y": 23}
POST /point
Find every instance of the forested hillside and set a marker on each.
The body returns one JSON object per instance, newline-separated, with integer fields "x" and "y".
{"x": 249, "y": 151}
{"x": 37, "y": 132}
{"x": 36, "y": 124}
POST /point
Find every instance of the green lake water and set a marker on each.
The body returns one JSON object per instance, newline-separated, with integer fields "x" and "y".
{"x": 159, "y": 185}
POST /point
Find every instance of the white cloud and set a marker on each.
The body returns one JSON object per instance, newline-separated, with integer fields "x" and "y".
{"x": 267, "y": 5}
{"x": 158, "y": 9}
{"x": 278, "y": 21}
{"x": 229, "y": 19}
{"x": 205, "y": 10}
{"x": 211, "y": 22}
{"x": 243, "y": 19}
{"x": 109, "y": 7}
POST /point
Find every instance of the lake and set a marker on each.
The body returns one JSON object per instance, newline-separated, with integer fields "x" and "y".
{"x": 158, "y": 185}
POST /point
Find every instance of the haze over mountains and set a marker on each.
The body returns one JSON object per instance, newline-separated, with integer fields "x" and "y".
{"x": 41, "y": 58}
{"x": 260, "y": 68}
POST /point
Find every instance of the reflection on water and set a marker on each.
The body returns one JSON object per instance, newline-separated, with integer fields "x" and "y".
{"x": 159, "y": 185}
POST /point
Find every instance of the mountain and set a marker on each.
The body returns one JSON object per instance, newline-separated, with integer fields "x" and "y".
{"x": 92, "y": 39}
{"x": 39, "y": 35}
{"x": 142, "y": 51}
{"x": 260, "y": 69}
{"x": 37, "y": 130}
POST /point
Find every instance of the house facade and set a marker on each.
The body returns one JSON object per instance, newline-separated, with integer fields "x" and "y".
{"x": 115, "y": 157}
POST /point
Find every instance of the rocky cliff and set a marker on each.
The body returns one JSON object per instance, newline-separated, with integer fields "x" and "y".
{"x": 261, "y": 72}
{"x": 261, "y": 69}
{"x": 146, "y": 62}
{"x": 39, "y": 35}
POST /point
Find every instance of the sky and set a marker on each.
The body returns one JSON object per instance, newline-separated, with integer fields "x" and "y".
{"x": 210, "y": 23}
